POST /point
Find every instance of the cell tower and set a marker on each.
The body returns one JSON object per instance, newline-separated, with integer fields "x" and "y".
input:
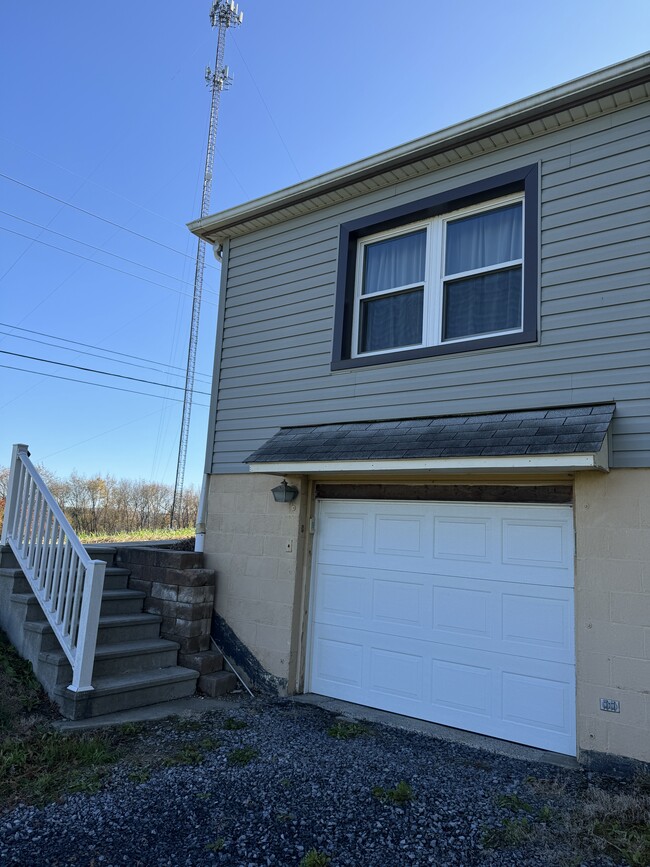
{"x": 224, "y": 14}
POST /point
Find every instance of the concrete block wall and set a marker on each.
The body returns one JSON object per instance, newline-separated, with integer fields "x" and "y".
{"x": 178, "y": 589}
{"x": 255, "y": 544}
{"x": 612, "y": 515}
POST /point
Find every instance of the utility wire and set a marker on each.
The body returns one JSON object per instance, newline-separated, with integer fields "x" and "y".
{"x": 268, "y": 110}
{"x": 102, "y": 372}
{"x": 98, "y": 384}
{"x": 91, "y": 346}
{"x": 104, "y": 433}
{"x": 103, "y": 264}
{"x": 96, "y": 216}
{"x": 92, "y": 354}
{"x": 97, "y": 249}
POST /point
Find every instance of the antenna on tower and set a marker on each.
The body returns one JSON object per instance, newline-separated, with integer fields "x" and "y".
{"x": 223, "y": 14}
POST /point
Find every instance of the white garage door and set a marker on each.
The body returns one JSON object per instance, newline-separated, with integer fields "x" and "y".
{"x": 461, "y": 614}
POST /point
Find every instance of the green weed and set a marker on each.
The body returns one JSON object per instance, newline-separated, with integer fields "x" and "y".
{"x": 242, "y": 756}
{"x": 513, "y": 803}
{"x": 345, "y": 731}
{"x": 217, "y": 846}
{"x": 511, "y": 832}
{"x": 401, "y": 794}
{"x": 314, "y": 858}
{"x": 188, "y": 755}
{"x": 234, "y": 725}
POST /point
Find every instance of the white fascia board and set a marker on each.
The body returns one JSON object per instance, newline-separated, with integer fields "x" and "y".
{"x": 518, "y": 463}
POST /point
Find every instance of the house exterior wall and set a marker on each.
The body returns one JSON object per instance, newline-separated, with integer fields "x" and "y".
{"x": 274, "y": 367}
{"x": 612, "y": 516}
{"x": 255, "y": 544}
{"x": 263, "y": 588}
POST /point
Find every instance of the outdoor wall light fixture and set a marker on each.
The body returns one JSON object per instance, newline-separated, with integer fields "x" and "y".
{"x": 284, "y": 493}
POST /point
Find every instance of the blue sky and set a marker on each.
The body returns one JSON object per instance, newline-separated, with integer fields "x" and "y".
{"x": 104, "y": 107}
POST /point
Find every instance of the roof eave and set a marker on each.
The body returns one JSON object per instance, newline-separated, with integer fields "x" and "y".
{"x": 636, "y": 70}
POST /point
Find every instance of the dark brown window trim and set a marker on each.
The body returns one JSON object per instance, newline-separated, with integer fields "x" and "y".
{"x": 448, "y": 493}
{"x": 524, "y": 179}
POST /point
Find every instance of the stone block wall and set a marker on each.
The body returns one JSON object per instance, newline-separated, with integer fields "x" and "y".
{"x": 612, "y": 514}
{"x": 177, "y": 588}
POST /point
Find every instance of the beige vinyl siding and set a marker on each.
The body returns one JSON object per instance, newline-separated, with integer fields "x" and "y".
{"x": 594, "y": 313}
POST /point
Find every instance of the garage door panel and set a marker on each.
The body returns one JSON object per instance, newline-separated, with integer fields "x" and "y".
{"x": 409, "y": 626}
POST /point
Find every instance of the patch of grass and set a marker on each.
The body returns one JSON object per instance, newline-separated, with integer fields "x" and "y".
{"x": 513, "y": 803}
{"x": 234, "y": 725}
{"x": 203, "y": 796}
{"x": 20, "y": 692}
{"x": 137, "y": 536}
{"x": 187, "y": 755}
{"x": 131, "y": 729}
{"x": 40, "y": 768}
{"x": 511, "y": 832}
{"x": 546, "y": 814}
{"x": 188, "y": 725}
{"x": 140, "y": 775}
{"x": 284, "y": 817}
{"x": 619, "y": 822}
{"x": 314, "y": 858}
{"x": 216, "y": 846}
{"x": 346, "y": 731}
{"x": 242, "y": 756}
{"x": 209, "y": 744}
{"x": 401, "y": 794}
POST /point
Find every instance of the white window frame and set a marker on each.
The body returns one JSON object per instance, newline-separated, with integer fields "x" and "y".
{"x": 434, "y": 277}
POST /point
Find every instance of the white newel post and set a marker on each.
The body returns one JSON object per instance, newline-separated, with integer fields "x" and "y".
{"x": 91, "y": 601}
{"x": 12, "y": 490}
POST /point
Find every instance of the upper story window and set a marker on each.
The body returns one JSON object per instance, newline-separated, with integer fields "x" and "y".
{"x": 451, "y": 274}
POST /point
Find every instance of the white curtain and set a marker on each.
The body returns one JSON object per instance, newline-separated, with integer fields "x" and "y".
{"x": 482, "y": 305}
{"x": 483, "y": 239}
{"x": 394, "y": 262}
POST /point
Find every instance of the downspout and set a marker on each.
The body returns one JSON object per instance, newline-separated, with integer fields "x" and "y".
{"x": 199, "y": 540}
{"x": 221, "y": 255}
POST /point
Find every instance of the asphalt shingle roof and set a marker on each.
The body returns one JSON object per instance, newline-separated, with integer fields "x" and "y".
{"x": 567, "y": 430}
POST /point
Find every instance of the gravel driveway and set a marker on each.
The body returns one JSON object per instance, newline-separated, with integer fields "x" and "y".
{"x": 295, "y": 791}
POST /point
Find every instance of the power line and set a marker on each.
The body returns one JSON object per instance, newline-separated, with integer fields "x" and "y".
{"x": 97, "y": 384}
{"x": 90, "y": 346}
{"x": 94, "y": 370}
{"x": 92, "y": 354}
{"x": 95, "y": 262}
{"x": 96, "y": 216}
{"x": 104, "y": 433}
{"x": 98, "y": 249}
{"x": 268, "y": 110}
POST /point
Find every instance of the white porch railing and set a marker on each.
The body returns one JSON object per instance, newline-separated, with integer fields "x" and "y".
{"x": 66, "y": 582}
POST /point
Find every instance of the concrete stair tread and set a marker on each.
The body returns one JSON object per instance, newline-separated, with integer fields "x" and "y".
{"x": 104, "y": 621}
{"x": 110, "y": 651}
{"x": 136, "y": 680}
{"x": 112, "y": 595}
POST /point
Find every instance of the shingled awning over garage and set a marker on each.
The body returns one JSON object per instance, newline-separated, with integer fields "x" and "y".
{"x": 565, "y": 438}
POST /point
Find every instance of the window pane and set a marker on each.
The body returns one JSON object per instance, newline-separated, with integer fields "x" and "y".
{"x": 394, "y": 262}
{"x": 391, "y": 321}
{"x": 483, "y": 304}
{"x": 483, "y": 239}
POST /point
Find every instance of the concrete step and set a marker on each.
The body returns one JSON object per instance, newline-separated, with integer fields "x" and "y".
{"x": 137, "y": 689}
{"x": 115, "y": 578}
{"x": 217, "y": 683}
{"x": 102, "y": 552}
{"x": 113, "y": 602}
{"x": 113, "y": 629}
{"x": 115, "y": 659}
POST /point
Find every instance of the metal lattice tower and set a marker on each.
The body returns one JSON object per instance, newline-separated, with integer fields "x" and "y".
{"x": 224, "y": 14}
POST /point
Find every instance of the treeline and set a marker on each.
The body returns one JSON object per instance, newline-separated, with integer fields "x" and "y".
{"x": 106, "y": 505}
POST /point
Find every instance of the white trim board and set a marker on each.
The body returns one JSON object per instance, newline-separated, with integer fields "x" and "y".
{"x": 519, "y": 463}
